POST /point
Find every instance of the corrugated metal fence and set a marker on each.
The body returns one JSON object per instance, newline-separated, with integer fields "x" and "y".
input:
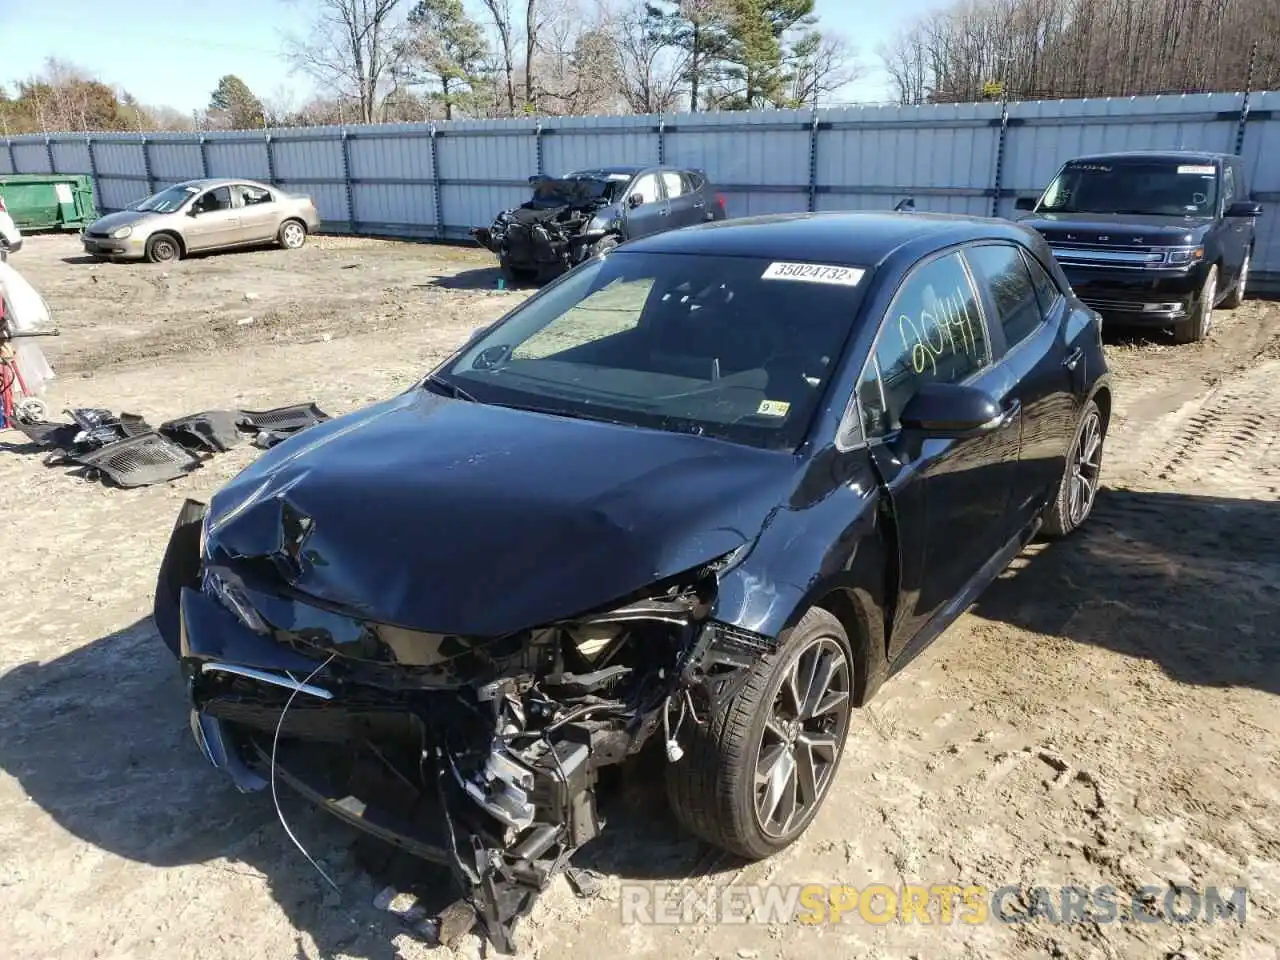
{"x": 438, "y": 180}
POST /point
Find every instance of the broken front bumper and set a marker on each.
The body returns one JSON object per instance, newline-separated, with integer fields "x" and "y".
{"x": 377, "y": 758}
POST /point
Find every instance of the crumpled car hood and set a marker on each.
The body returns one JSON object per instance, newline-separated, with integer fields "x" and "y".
{"x": 455, "y": 517}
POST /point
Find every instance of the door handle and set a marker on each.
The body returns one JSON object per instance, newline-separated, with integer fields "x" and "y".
{"x": 1073, "y": 358}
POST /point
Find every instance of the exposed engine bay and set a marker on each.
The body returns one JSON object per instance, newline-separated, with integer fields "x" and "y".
{"x": 481, "y": 754}
{"x": 557, "y": 228}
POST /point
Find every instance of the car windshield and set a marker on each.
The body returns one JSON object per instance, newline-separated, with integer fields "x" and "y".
{"x": 1166, "y": 188}
{"x": 166, "y": 201}
{"x": 738, "y": 348}
{"x": 574, "y": 189}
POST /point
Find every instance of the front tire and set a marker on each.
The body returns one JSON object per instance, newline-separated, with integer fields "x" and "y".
{"x": 1079, "y": 486}
{"x": 755, "y": 774}
{"x": 163, "y": 248}
{"x": 292, "y": 235}
{"x": 517, "y": 274}
{"x": 1197, "y": 326}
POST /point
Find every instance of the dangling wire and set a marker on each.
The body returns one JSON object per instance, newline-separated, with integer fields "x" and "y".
{"x": 275, "y": 741}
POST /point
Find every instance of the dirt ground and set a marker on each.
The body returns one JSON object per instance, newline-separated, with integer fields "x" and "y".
{"x": 1106, "y": 714}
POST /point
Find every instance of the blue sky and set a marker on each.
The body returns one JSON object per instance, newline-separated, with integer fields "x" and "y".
{"x": 164, "y": 55}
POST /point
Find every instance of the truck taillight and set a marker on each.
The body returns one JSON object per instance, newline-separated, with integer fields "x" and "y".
{"x": 720, "y": 200}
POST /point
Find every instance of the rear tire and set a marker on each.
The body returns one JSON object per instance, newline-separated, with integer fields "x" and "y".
{"x": 1197, "y": 326}
{"x": 1079, "y": 485}
{"x": 755, "y": 774}
{"x": 163, "y": 248}
{"x": 292, "y": 235}
{"x": 1236, "y": 296}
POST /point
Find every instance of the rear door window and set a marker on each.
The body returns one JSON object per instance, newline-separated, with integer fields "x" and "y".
{"x": 252, "y": 196}
{"x": 1004, "y": 276}
{"x": 674, "y": 184}
{"x": 1047, "y": 290}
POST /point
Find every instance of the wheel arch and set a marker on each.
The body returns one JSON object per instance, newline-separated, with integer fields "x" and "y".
{"x": 864, "y": 627}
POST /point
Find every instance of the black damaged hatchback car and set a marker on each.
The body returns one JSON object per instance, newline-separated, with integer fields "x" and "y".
{"x": 706, "y": 492}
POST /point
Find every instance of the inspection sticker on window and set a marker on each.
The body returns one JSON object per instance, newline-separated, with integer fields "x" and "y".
{"x": 814, "y": 273}
{"x": 1204, "y": 171}
{"x": 773, "y": 408}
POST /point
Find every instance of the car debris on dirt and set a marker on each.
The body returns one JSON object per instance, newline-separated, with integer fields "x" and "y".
{"x": 127, "y": 451}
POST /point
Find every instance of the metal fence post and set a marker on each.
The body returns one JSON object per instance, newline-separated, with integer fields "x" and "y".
{"x": 813, "y": 161}
{"x": 1244, "y": 103}
{"x": 48, "y": 149}
{"x": 204, "y": 157}
{"x": 93, "y": 167}
{"x": 146, "y": 165}
{"x": 537, "y": 148}
{"x": 346, "y": 179}
{"x": 662, "y": 140}
{"x": 435, "y": 181}
{"x": 998, "y": 175}
{"x": 13, "y": 157}
{"x": 271, "y": 160}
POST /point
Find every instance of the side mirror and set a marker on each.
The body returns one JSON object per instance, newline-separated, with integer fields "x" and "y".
{"x": 1244, "y": 208}
{"x": 635, "y": 200}
{"x": 1024, "y": 203}
{"x": 193, "y": 211}
{"x": 905, "y": 206}
{"x": 953, "y": 411}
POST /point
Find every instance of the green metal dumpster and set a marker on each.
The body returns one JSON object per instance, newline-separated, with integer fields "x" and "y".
{"x": 55, "y": 201}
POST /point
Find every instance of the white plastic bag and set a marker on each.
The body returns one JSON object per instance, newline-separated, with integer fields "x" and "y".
{"x": 25, "y": 311}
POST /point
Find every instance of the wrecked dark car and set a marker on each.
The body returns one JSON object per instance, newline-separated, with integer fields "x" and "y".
{"x": 703, "y": 494}
{"x": 588, "y": 212}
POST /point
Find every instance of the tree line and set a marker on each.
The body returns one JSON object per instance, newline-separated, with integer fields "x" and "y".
{"x": 1050, "y": 49}
{"x": 411, "y": 60}
{"x": 405, "y": 60}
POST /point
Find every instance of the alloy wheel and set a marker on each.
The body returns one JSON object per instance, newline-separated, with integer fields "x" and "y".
{"x": 802, "y": 738}
{"x": 1210, "y": 295}
{"x": 293, "y": 236}
{"x": 1086, "y": 466}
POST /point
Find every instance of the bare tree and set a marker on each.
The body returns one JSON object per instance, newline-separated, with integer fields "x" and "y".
{"x": 579, "y": 71}
{"x": 354, "y": 47}
{"x": 976, "y": 49}
{"x": 500, "y": 14}
{"x": 651, "y": 68}
{"x": 817, "y": 66}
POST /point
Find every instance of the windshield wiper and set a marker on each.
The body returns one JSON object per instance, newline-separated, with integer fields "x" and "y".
{"x": 571, "y": 414}
{"x": 453, "y": 389}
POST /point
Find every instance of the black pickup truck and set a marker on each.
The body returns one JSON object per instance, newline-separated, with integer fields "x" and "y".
{"x": 1151, "y": 238}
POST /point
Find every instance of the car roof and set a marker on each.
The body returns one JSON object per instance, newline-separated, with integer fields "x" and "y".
{"x": 862, "y": 239}
{"x": 1205, "y": 156}
{"x": 627, "y": 168}
{"x": 206, "y": 183}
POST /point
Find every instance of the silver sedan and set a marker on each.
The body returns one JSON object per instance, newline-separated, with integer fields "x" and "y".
{"x": 201, "y": 215}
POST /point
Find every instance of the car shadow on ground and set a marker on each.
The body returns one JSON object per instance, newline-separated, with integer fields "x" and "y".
{"x": 482, "y": 278}
{"x": 99, "y": 740}
{"x": 1191, "y": 583}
